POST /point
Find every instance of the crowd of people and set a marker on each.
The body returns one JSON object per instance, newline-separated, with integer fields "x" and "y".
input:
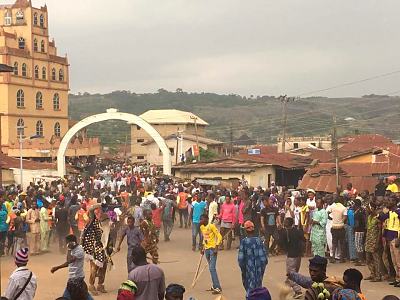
{"x": 90, "y": 217}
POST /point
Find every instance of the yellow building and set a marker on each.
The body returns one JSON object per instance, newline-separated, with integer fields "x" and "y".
{"x": 167, "y": 122}
{"x": 34, "y": 98}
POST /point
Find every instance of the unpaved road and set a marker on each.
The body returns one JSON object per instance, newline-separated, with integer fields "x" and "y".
{"x": 51, "y": 286}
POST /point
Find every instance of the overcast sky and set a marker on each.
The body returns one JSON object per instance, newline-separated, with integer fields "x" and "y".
{"x": 260, "y": 47}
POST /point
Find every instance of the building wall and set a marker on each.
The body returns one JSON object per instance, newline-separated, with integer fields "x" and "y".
{"x": 48, "y": 86}
{"x": 257, "y": 178}
{"x": 139, "y": 136}
{"x": 304, "y": 142}
{"x": 364, "y": 158}
{"x": 153, "y": 154}
{"x": 29, "y": 175}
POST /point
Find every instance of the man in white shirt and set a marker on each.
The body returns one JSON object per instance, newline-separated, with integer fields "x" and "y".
{"x": 22, "y": 283}
{"x": 338, "y": 213}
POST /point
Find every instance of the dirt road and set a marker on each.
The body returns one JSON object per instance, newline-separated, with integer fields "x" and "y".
{"x": 51, "y": 286}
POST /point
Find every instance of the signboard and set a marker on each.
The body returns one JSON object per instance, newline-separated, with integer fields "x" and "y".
{"x": 253, "y": 151}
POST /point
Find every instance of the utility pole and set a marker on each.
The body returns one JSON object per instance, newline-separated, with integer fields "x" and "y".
{"x": 125, "y": 148}
{"x": 177, "y": 145}
{"x": 197, "y": 135}
{"x": 336, "y": 151}
{"x": 284, "y": 100}
{"x": 231, "y": 139}
{"x": 21, "y": 168}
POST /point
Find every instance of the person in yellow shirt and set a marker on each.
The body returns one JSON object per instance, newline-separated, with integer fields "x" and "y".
{"x": 212, "y": 238}
{"x": 392, "y": 186}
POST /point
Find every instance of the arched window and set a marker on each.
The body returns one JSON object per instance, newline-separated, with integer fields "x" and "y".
{"x": 20, "y": 128}
{"x": 44, "y": 73}
{"x": 61, "y": 75}
{"x": 20, "y": 98}
{"x": 56, "y": 101}
{"x": 20, "y": 16}
{"x": 53, "y": 74}
{"x": 42, "y": 49}
{"x": 36, "y": 72}
{"x": 39, "y": 128}
{"x": 24, "y": 70}
{"x": 39, "y": 100}
{"x": 57, "y": 129}
{"x": 8, "y": 18}
{"x": 35, "y": 19}
{"x": 21, "y": 43}
{"x": 16, "y": 68}
{"x": 35, "y": 45}
{"x": 41, "y": 21}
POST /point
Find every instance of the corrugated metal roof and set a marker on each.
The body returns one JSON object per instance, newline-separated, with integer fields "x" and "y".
{"x": 363, "y": 176}
{"x": 7, "y": 162}
{"x": 190, "y": 137}
{"x": 170, "y": 116}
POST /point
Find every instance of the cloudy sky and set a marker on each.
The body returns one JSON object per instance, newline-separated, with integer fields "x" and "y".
{"x": 260, "y": 47}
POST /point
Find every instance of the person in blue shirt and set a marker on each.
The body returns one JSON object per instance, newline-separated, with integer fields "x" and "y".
{"x": 199, "y": 207}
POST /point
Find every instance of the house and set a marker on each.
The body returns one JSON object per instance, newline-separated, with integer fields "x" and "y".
{"x": 10, "y": 170}
{"x": 178, "y": 128}
{"x": 178, "y": 145}
{"x": 227, "y": 170}
{"x": 299, "y": 142}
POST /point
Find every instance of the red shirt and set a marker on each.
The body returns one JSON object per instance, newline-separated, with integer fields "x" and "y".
{"x": 157, "y": 217}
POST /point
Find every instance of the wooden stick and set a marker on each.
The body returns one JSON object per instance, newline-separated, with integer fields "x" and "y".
{"x": 198, "y": 268}
{"x": 201, "y": 272}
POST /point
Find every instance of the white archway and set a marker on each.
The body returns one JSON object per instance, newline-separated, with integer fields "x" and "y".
{"x": 112, "y": 114}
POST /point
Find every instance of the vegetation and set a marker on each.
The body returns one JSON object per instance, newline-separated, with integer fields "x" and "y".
{"x": 231, "y": 116}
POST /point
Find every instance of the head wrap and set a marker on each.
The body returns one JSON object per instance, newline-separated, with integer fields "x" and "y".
{"x": 22, "y": 255}
{"x": 249, "y": 226}
{"x": 128, "y": 285}
{"x": 311, "y": 191}
{"x": 259, "y": 294}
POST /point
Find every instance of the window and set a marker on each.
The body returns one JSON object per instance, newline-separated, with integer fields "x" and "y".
{"x": 21, "y": 43}
{"x": 20, "y": 98}
{"x": 172, "y": 151}
{"x": 314, "y": 144}
{"x": 41, "y": 21}
{"x": 36, "y": 72}
{"x": 35, "y": 19}
{"x": 39, "y": 128}
{"x": 140, "y": 140}
{"x": 24, "y": 72}
{"x": 44, "y": 73}
{"x": 296, "y": 145}
{"x": 15, "y": 68}
{"x": 20, "y": 17}
{"x": 42, "y": 49}
{"x": 61, "y": 75}
{"x": 56, "y": 101}
{"x": 8, "y": 18}
{"x": 35, "y": 45}
{"x": 140, "y": 157}
{"x": 20, "y": 128}
{"x": 138, "y": 127}
{"x": 57, "y": 129}
{"x": 39, "y": 100}
{"x": 53, "y": 74}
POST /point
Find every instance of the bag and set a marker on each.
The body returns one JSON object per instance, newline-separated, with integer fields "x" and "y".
{"x": 24, "y": 287}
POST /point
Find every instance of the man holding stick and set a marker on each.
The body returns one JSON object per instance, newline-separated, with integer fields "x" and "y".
{"x": 211, "y": 240}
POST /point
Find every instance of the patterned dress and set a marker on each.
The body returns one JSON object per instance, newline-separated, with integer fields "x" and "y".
{"x": 318, "y": 232}
{"x": 252, "y": 259}
{"x": 150, "y": 239}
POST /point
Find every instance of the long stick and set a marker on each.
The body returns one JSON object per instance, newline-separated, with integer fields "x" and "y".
{"x": 198, "y": 268}
{"x": 201, "y": 272}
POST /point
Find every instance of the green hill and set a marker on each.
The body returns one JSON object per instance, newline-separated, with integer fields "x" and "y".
{"x": 259, "y": 117}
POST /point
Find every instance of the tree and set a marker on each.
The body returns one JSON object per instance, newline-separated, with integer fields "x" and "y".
{"x": 207, "y": 155}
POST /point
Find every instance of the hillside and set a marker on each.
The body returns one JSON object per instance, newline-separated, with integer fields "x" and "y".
{"x": 258, "y": 117}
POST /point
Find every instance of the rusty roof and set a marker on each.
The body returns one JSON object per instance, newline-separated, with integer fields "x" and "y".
{"x": 8, "y": 162}
{"x": 269, "y": 155}
{"x": 363, "y": 176}
{"x": 222, "y": 165}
